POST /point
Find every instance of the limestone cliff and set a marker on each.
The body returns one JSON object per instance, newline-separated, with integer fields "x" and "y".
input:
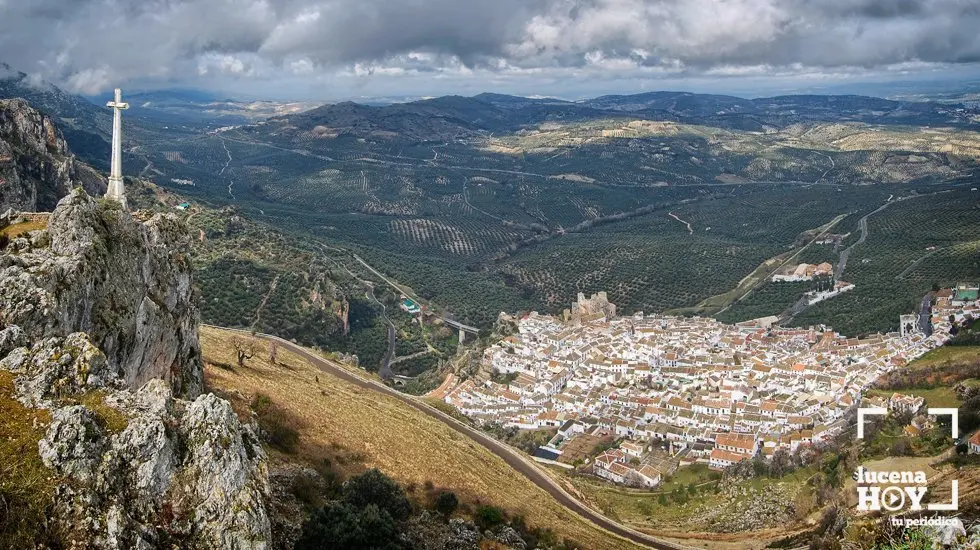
{"x": 125, "y": 283}
{"x": 36, "y": 166}
{"x": 98, "y": 325}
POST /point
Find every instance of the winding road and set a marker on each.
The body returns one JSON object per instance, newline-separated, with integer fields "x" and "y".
{"x": 863, "y": 227}
{"x": 513, "y": 459}
{"x": 688, "y": 224}
{"x": 385, "y": 371}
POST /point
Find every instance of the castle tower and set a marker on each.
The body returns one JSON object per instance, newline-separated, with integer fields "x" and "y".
{"x": 116, "y": 190}
{"x": 909, "y": 324}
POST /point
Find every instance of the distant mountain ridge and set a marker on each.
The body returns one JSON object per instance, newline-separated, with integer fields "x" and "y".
{"x": 86, "y": 125}
{"x": 451, "y": 117}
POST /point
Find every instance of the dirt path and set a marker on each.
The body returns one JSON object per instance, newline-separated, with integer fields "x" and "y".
{"x": 832, "y": 166}
{"x": 914, "y": 264}
{"x": 401, "y": 358}
{"x": 385, "y": 371}
{"x": 258, "y": 310}
{"x": 688, "y": 224}
{"x": 225, "y": 167}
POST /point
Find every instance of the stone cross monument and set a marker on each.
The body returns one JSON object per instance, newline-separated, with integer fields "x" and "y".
{"x": 116, "y": 190}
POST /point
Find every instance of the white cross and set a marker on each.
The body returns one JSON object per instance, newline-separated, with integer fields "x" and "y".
{"x": 116, "y": 191}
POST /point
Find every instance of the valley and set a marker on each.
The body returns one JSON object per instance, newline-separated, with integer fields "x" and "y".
{"x": 435, "y": 275}
{"x": 497, "y": 203}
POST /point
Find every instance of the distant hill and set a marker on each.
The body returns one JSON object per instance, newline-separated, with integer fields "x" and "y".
{"x": 86, "y": 127}
{"x": 454, "y": 117}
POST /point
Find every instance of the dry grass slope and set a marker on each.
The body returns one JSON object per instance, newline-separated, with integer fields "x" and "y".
{"x": 405, "y": 444}
{"x": 26, "y": 486}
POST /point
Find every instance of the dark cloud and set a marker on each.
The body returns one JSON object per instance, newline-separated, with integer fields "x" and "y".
{"x": 91, "y": 45}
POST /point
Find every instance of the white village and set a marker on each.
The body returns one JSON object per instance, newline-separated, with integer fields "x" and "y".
{"x": 676, "y": 390}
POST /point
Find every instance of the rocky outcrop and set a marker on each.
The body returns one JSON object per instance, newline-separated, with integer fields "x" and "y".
{"x": 181, "y": 473}
{"x": 36, "y": 167}
{"x": 176, "y": 473}
{"x": 56, "y": 368}
{"x": 125, "y": 283}
{"x": 427, "y": 531}
{"x": 98, "y": 325}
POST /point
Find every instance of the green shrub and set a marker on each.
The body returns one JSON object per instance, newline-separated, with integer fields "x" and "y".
{"x": 278, "y": 426}
{"x": 447, "y": 503}
{"x": 344, "y": 526}
{"x": 488, "y": 517}
{"x": 374, "y": 488}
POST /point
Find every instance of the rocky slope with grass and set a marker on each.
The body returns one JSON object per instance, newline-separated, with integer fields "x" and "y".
{"x": 98, "y": 327}
{"x": 36, "y": 166}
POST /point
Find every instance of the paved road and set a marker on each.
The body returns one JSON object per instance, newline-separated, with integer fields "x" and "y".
{"x": 511, "y": 457}
{"x": 863, "y": 227}
{"x": 385, "y": 371}
{"x": 925, "y": 321}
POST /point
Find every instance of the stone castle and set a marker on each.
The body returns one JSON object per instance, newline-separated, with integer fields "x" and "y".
{"x": 588, "y": 310}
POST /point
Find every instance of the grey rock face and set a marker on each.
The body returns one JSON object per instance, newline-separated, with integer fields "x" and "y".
{"x": 125, "y": 283}
{"x": 36, "y": 166}
{"x": 74, "y": 443}
{"x": 98, "y": 324}
{"x": 184, "y": 474}
{"x": 10, "y": 338}
{"x": 58, "y": 367}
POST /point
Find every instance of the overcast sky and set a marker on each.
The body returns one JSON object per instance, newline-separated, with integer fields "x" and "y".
{"x": 337, "y": 49}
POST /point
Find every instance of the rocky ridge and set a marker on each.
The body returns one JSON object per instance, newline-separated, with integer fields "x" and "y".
{"x": 36, "y": 166}
{"x": 98, "y": 325}
{"x": 126, "y": 283}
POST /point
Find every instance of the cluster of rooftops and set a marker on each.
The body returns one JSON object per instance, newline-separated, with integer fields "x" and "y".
{"x": 724, "y": 391}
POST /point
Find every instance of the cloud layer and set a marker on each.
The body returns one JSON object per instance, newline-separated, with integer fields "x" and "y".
{"x": 91, "y": 45}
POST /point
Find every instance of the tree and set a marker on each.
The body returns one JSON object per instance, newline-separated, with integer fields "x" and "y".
{"x": 245, "y": 349}
{"x": 273, "y": 352}
{"x": 341, "y": 525}
{"x": 447, "y": 503}
{"x": 373, "y": 487}
{"x": 488, "y": 517}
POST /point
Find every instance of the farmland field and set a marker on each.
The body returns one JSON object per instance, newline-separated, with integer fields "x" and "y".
{"x": 485, "y": 204}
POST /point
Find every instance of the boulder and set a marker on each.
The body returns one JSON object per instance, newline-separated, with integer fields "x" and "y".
{"x": 181, "y": 473}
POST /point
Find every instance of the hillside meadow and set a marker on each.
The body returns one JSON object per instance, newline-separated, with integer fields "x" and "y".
{"x": 373, "y": 430}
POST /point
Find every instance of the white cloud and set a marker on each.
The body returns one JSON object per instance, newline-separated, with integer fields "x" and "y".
{"x": 200, "y": 42}
{"x": 90, "y": 81}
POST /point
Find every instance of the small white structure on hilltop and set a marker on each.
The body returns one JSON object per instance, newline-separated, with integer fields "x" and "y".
{"x": 117, "y": 190}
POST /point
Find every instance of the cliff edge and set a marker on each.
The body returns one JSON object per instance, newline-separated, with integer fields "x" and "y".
{"x": 98, "y": 329}
{"x": 36, "y": 166}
